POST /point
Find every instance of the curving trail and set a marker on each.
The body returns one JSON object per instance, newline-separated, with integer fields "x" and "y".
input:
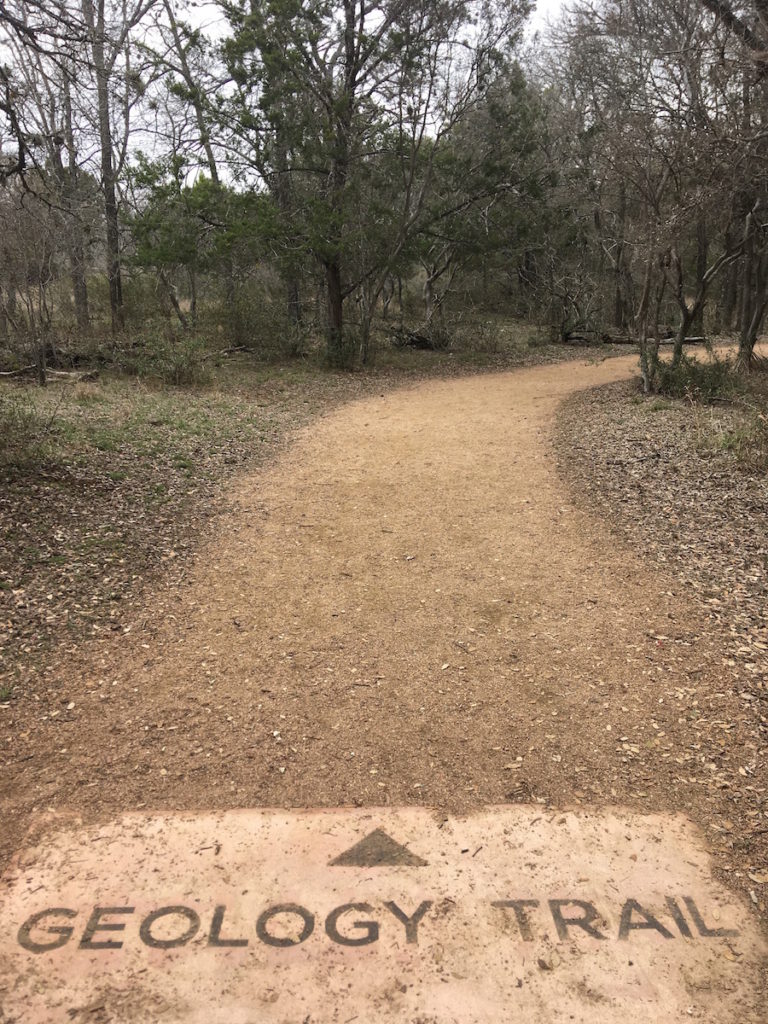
{"x": 406, "y": 608}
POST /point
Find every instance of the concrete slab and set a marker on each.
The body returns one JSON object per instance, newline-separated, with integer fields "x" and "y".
{"x": 277, "y": 917}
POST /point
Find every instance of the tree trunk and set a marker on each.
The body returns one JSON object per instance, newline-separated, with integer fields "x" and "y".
{"x": 192, "y": 294}
{"x": 702, "y": 257}
{"x": 112, "y": 226}
{"x": 619, "y": 303}
{"x": 728, "y": 295}
{"x": 337, "y": 354}
{"x": 204, "y": 135}
{"x": 77, "y": 261}
{"x": 77, "y": 265}
{"x": 294, "y": 301}
{"x": 11, "y": 301}
{"x": 3, "y": 319}
{"x": 754, "y": 294}
{"x": 648, "y": 359}
{"x": 661, "y": 288}
{"x": 683, "y": 330}
{"x": 41, "y": 362}
{"x": 283, "y": 192}
{"x": 744, "y": 357}
{"x": 365, "y": 334}
{"x": 387, "y": 294}
{"x": 429, "y": 297}
{"x": 190, "y": 80}
{"x": 686, "y": 313}
{"x": 95, "y": 20}
{"x": 79, "y": 286}
{"x": 170, "y": 289}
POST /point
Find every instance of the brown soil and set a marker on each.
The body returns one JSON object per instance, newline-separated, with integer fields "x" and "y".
{"x": 406, "y": 608}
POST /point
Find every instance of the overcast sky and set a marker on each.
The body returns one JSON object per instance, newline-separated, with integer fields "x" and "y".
{"x": 207, "y": 14}
{"x": 546, "y": 10}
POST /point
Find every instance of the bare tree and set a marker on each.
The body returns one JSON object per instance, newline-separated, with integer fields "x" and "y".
{"x": 109, "y": 54}
{"x": 657, "y": 157}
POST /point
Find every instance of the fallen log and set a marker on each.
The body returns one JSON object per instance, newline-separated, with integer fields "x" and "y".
{"x": 18, "y": 373}
{"x": 413, "y": 339}
{"x": 74, "y": 377}
{"x": 224, "y": 352}
{"x": 65, "y": 376}
{"x": 625, "y": 340}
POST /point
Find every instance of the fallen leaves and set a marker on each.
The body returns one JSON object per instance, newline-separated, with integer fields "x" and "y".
{"x": 692, "y": 510}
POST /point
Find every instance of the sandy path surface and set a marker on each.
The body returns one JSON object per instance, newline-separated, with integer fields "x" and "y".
{"x": 406, "y": 608}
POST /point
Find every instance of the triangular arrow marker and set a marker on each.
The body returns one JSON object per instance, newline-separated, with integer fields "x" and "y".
{"x": 378, "y": 850}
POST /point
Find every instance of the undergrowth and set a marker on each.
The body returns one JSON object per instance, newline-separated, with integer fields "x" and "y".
{"x": 705, "y": 382}
{"x": 178, "y": 359}
{"x": 25, "y": 428}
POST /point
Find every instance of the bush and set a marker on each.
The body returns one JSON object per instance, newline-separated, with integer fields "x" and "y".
{"x": 749, "y": 442}
{"x": 24, "y": 431}
{"x": 143, "y": 300}
{"x": 701, "y": 382}
{"x": 478, "y": 336}
{"x": 177, "y": 359}
{"x": 539, "y": 337}
{"x": 257, "y": 319}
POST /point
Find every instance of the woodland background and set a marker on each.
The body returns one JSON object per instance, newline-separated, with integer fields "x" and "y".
{"x": 210, "y": 215}
{"x": 283, "y": 177}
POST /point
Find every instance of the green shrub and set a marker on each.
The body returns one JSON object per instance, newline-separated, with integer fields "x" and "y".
{"x": 256, "y": 318}
{"x": 539, "y": 337}
{"x": 25, "y": 432}
{"x": 701, "y": 382}
{"x": 749, "y": 442}
{"x": 177, "y": 359}
{"x": 478, "y": 336}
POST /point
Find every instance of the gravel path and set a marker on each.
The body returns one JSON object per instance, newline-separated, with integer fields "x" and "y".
{"x": 408, "y": 607}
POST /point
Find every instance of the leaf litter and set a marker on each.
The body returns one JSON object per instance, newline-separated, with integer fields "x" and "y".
{"x": 661, "y": 475}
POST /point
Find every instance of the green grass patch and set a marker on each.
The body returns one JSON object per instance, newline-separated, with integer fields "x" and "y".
{"x": 713, "y": 381}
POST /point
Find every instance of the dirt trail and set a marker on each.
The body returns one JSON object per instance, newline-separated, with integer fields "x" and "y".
{"x": 406, "y": 608}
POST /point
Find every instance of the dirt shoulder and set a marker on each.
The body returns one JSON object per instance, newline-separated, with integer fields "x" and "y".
{"x": 665, "y": 479}
{"x": 407, "y": 607}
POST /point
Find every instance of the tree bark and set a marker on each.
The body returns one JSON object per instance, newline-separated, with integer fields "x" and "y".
{"x": 754, "y": 292}
{"x": 96, "y": 22}
{"x": 337, "y": 356}
{"x": 702, "y": 259}
{"x": 648, "y": 358}
{"x": 283, "y": 192}
{"x": 41, "y": 361}
{"x": 3, "y": 319}
{"x": 170, "y": 289}
{"x": 429, "y": 297}
{"x": 729, "y": 292}
{"x": 619, "y": 303}
{"x": 77, "y": 260}
{"x": 193, "y": 295}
